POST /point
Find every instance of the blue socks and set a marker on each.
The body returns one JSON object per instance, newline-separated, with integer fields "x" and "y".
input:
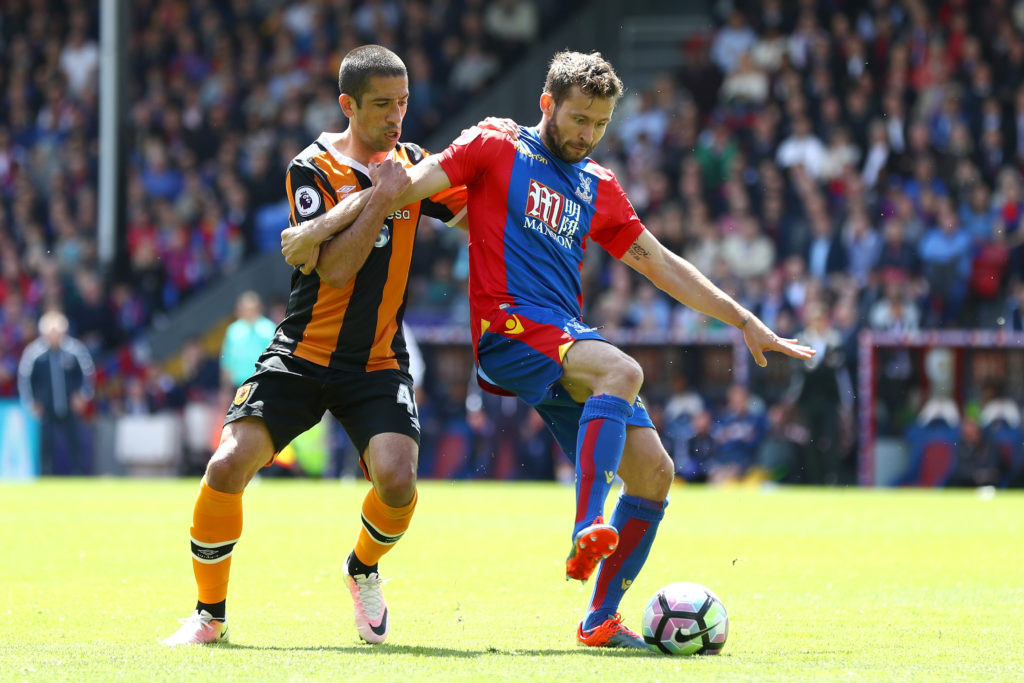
{"x": 636, "y": 520}
{"x": 599, "y": 444}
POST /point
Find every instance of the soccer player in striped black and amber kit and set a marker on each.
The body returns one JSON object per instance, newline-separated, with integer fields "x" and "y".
{"x": 340, "y": 347}
{"x": 533, "y": 203}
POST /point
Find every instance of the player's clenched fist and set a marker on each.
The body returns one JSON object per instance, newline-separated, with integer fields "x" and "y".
{"x": 389, "y": 177}
{"x": 300, "y": 248}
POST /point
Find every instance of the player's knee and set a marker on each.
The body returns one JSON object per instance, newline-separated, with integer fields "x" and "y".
{"x": 628, "y": 374}
{"x": 620, "y": 376}
{"x": 228, "y": 461}
{"x": 225, "y": 472}
{"x": 662, "y": 475}
{"x": 241, "y": 453}
{"x": 396, "y": 484}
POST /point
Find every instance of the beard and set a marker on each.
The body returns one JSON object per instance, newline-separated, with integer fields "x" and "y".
{"x": 552, "y": 138}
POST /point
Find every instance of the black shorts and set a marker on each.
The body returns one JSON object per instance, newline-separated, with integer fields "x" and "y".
{"x": 291, "y": 395}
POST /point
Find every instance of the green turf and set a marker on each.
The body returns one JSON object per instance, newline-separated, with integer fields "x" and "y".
{"x": 861, "y": 584}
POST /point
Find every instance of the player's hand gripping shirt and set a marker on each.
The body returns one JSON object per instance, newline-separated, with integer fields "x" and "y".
{"x": 359, "y": 326}
{"x": 530, "y": 215}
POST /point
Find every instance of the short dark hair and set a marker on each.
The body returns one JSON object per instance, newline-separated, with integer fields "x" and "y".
{"x": 592, "y": 73}
{"x": 363, "y": 63}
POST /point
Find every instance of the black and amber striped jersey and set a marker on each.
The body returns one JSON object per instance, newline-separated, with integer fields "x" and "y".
{"x": 358, "y": 326}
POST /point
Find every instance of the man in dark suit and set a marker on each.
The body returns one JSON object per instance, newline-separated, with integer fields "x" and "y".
{"x": 55, "y": 381}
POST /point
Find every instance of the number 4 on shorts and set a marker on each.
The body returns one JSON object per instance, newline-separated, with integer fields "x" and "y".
{"x": 405, "y": 398}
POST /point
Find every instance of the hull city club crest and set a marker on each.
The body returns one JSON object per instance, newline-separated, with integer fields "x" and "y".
{"x": 243, "y": 393}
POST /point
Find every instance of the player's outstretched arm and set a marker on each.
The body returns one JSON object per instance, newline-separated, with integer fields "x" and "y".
{"x": 300, "y": 244}
{"x": 682, "y": 281}
{"x": 425, "y": 178}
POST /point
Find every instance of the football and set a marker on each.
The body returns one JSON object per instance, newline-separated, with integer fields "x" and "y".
{"x": 685, "y": 619}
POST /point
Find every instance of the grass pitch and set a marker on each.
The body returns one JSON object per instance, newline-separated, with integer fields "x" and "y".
{"x": 819, "y": 585}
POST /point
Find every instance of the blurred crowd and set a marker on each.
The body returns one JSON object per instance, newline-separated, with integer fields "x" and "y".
{"x": 835, "y": 166}
{"x": 860, "y": 156}
{"x": 221, "y": 95}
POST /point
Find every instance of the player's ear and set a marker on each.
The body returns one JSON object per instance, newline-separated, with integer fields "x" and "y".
{"x": 348, "y": 104}
{"x": 547, "y": 104}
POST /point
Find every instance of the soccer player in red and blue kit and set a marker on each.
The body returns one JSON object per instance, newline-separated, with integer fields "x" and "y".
{"x": 533, "y": 203}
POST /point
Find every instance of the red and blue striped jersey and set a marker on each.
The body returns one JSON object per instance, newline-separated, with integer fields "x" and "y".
{"x": 530, "y": 215}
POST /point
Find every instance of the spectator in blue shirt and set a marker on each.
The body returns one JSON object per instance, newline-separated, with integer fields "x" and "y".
{"x": 245, "y": 340}
{"x": 737, "y": 434}
{"x": 946, "y": 257}
{"x": 977, "y": 215}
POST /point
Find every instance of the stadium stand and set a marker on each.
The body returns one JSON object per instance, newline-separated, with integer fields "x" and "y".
{"x": 222, "y": 95}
